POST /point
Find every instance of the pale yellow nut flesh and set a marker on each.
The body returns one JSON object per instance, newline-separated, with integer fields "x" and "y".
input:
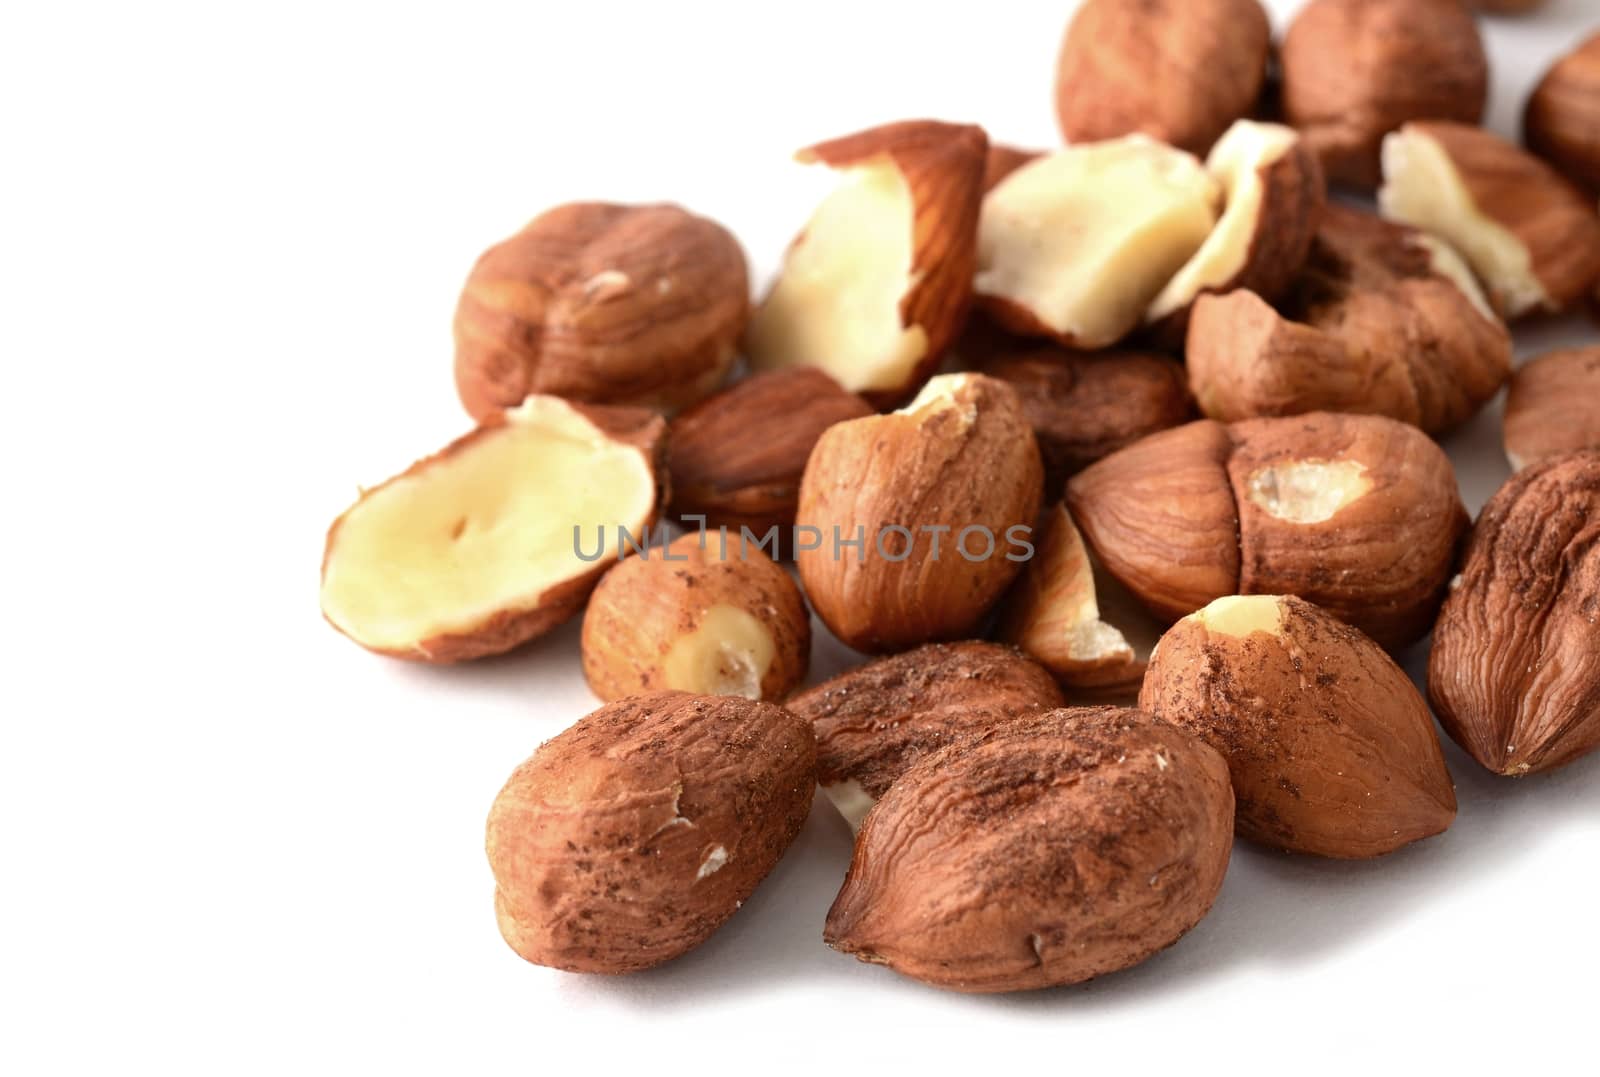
{"x": 1239, "y": 616}
{"x": 727, "y": 654}
{"x": 1085, "y": 238}
{"x": 1308, "y": 491}
{"x": 485, "y": 530}
{"x": 836, "y": 303}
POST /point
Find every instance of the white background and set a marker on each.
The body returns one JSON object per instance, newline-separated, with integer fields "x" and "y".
{"x": 231, "y": 239}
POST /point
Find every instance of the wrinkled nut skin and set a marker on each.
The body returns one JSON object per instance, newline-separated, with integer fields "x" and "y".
{"x": 967, "y": 462}
{"x": 1178, "y": 70}
{"x": 1049, "y": 851}
{"x": 648, "y": 605}
{"x": 604, "y": 844}
{"x": 1161, "y": 517}
{"x": 1331, "y": 749}
{"x": 875, "y": 721}
{"x": 737, "y": 457}
{"x": 1354, "y": 70}
{"x": 1383, "y": 561}
{"x": 1553, "y": 406}
{"x": 511, "y": 628}
{"x": 601, "y": 302}
{"x": 1369, "y": 326}
{"x": 1562, "y": 119}
{"x": 1177, "y": 520}
{"x": 1084, "y": 406}
{"x": 1506, "y": 7}
{"x": 1514, "y": 674}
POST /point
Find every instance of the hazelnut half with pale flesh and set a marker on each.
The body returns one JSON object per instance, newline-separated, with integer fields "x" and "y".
{"x": 476, "y": 549}
{"x": 878, "y": 284}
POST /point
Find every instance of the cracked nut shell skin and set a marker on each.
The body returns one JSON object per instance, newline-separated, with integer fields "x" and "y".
{"x": 1048, "y": 851}
{"x": 628, "y": 839}
{"x": 1514, "y": 674}
{"x": 1330, "y": 745}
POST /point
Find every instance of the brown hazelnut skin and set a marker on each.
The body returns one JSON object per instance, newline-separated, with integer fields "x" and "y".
{"x": 1354, "y": 70}
{"x": 1553, "y": 406}
{"x": 604, "y": 303}
{"x": 1180, "y": 71}
{"x": 1562, "y": 119}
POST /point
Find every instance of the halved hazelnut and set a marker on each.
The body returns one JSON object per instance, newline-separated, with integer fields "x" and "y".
{"x": 1075, "y": 619}
{"x": 1383, "y": 320}
{"x": 1177, "y": 70}
{"x": 485, "y": 544}
{"x": 1075, "y": 245}
{"x": 1553, "y": 406}
{"x": 1562, "y": 119}
{"x": 1274, "y": 196}
{"x": 706, "y": 613}
{"x": 1529, "y": 234}
{"x": 1330, "y": 746}
{"x": 936, "y": 501}
{"x": 1354, "y": 70}
{"x": 878, "y": 284}
{"x": 604, "y": 303}
{"x": 873, "y": 722}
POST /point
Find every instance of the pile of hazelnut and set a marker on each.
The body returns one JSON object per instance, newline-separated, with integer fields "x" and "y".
{"x": 1143, "y": 424}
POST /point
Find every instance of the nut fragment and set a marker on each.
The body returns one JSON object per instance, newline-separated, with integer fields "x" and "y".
{"x": 1383, "y": 320}
{"x": 1530, "y": 235}
{"x": 475, "y": 549}
{"x": 1354, "y": 70}
{"x": 600, "y": 302}
{"x": 1554, "y": 406}
{"x": 630, "y": 838}
{"x": 1514, "y": 674}
{"x": 1076, "y": 619}
{"x": 1048, "y": 851}
{"x": 737, "y": 457}
{"x": 1274, "y": 195}
{"x": 1562, "y": 120}
{"x": 1356, "y": 513}
{"x": 937, "y": 499}
{"x": 1085, "y": 405}
{"x": 697, "y": 617}
{"x": 1178, "y": 70}
{"x": 1075, "y": 245}
{"x": 1331, "y": 748}
{"x": 877, "y": 285}
{"x": 873, "y": 722}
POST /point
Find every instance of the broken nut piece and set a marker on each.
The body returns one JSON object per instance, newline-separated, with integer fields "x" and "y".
{"x": 1331, "y": 748}
{"x": 1553, "y": 406}
{"x": 472, "y": 551}
{"x": 630, "y": 838}
{"x": 878, "y": 284}
{"x": 604, "y": 303}
{"x": 873, "y": 722}
{"x": 701, "y": 614}
{"x": 1530, "y": 235}
{"x": 1075, "y": 245}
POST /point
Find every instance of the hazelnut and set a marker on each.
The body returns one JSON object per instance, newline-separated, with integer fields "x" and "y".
{"x": 1383, "y": 320}
{"x": 1047, "y": 851}
{"x": 627, "y": 840}
{"x": 737, "y": 457}
{"x": 1562, "y": 120}
{"x": 1356, "y": 513}
{"x": 483, "y": 545}
{"x": 604, "y": 303}
{"x": 1178, "y": 70}
{"x": 1529, "y": 234}
{"x": 1273, "y": 200}
{"x": 1075, "y": 245}
{"x": 1354, "y": 70}
{"x": 937, "y": 499}
{"x": 706, "y": 613}
{"x": 1330, "y": 746}
{"x": 1514, "y": 674}
{"x": 873, "y": 722}
{"x": 1553, "y": 406}
{"x": 1506, "y": 7}
{"x": 878, "y": 284}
